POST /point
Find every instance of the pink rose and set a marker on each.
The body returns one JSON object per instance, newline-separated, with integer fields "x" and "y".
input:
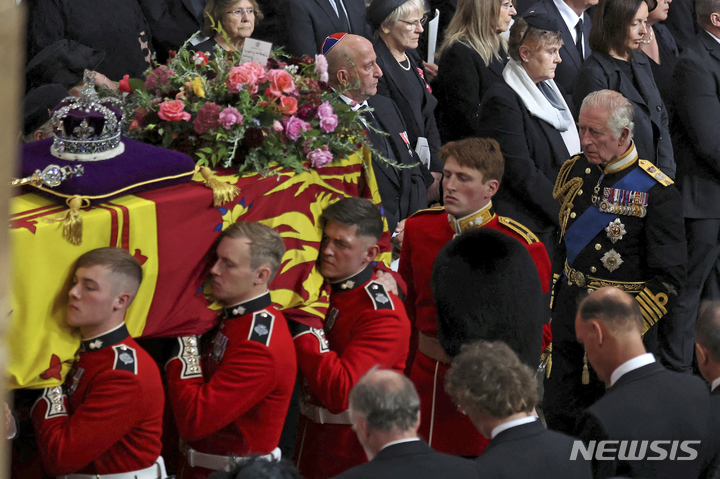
{"x": 319, "y": 157}
{"x": 329, "y": 123}
{"x": 240, "y": 76}
{"x": 259, "y": 71}
{"x": 328, "y": 120}
{"x": 229, "y": 117}
{"x": 288, "y": 105}
{"x": 280, "y": 82}
{"x": 294, "y": 126}
{"x": 207, "y": 118}
{"x": 277, "y": 126}
{"x": 124, "y": 84}
{"x": 321, "y": 68}
{"x": 173, "y": 111}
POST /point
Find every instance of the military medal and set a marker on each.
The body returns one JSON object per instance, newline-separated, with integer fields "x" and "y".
{"x": 219, "y": 346}
{"x": 611, "y": 260}
{"x": 615, "y": 230}
{"x": 621, "y": 202}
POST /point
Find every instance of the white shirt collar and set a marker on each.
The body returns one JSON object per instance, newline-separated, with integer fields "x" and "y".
{"x": 716, "y": 38}
{"x": 400, "y": 441}
{"x": 715, "y": 384}
{"x": 631, "y": 365}
{"x": 569, "y": 17}
{"x": 507, "y": 425}
{"x": 354, "y": 106}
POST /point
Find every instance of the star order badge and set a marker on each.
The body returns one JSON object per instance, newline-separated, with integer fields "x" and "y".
{"x": 611, "y": 260}
{"x": 615, "y": 231}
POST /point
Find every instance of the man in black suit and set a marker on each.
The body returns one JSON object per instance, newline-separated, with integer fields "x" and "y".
{"x": 306, "y": 23}
{"x": 575, "y": 26}
{"x": 385, "y": 412}
{"x": 707, "y": 346}
{"x": 172, "y": 22}
{"x": 499, "y": 393}
{"x": 353, "y": 70}
{"x": 658, "y": 423}
{"x": 697, "y": 147}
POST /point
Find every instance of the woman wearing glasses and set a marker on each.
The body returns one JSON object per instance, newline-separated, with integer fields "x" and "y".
{"x": 238, "y": 20}
{"x": 618, "y": 30}
{"x": 527, "y": 114}
{"x": 397, "y": 25}
{"x": 472, "y": 59}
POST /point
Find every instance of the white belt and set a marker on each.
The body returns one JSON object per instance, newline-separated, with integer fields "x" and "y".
{"x": 156, "y": 471}
{"x": 217, "y": 462}
{"x": 320, "y": 415}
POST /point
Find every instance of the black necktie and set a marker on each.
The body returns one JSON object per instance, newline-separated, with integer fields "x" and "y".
{"x": 579, "y": 38}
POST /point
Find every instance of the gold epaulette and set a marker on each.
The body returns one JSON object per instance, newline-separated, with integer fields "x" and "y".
{"x": 565, "y": 191}
{"x": 655, "y": 172}
{"x": 519, "y": 228}
{"x": 563, "y": 174}
{"x": 433, "y": 210}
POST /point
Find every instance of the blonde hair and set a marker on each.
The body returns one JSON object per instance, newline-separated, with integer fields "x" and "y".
{"x": 411, "y": 6}
{"x": 475, "y": 26}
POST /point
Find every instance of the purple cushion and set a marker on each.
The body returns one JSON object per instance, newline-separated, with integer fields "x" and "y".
{"x": 139, "y": 163}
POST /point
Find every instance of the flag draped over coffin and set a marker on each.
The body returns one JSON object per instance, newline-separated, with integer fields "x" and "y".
{"x": 171, "y": 232}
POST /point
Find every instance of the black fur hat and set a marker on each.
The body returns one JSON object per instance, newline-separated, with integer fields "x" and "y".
{"x": 486, "y": 286}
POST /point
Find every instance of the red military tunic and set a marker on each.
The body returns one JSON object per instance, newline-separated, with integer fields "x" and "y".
{"x": 108, "y": 419}
{"x": 442, "y": 425}
{"x": 366, "y": 326}
{"x": 239, "y": 406}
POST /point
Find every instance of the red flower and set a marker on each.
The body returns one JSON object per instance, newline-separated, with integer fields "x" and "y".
{"x": 124, "y": 84}
{"x": 288, "y": 105}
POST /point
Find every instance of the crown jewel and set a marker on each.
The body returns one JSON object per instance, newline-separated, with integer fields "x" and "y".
{"x": 87, "y": 128}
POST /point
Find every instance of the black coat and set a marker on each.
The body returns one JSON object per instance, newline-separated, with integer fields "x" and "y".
{"x": 172, "y": 23}
{"x": 306, "y": 23}
{"x": 534, "y": 151}
{"x": 646, "y": 404}
{"x": 696, "y": 122}
{"x": 530, "y": 451}
{"x": 652, "y": 136}
{"x": 118, "y": 28}
{"x": 402, "y": 190}
{"x": 412, "y": 460}
{"x": 571, "y": 62}
{"x": 462, "y": 81}
{"x": 419, "y": 117}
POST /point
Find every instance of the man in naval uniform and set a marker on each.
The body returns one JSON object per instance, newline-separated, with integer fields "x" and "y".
{"x": 621, "y": 225}
{"x": 472, "y": 172}
{"x": 230, "y": 397}
{"x": 108, "y": 417}
{"x": 366, "y": 326}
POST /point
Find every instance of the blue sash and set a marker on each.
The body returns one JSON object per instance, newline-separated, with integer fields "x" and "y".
{"x": 593, "y": 221}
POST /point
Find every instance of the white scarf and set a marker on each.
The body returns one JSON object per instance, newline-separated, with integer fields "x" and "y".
{"x": 517, "y": 78}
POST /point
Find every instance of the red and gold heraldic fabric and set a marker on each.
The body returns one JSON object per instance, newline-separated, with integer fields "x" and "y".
{"x": 171, "y": 232}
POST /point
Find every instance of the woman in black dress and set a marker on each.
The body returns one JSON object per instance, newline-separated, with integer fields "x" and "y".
{"x": 659, "y": 45}
{"x": 472, "y": 59}
{"x": 397, "y": 25}
{"x": 616, "y": 64}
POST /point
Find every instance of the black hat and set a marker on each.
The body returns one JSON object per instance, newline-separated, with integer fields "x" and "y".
{"x": 486, "y": 286}
{"x": 379, "y": 10}
{"x": 38, "y": 103}
{"x": 541, "y": 21}
{"x": 62, "y": 62}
